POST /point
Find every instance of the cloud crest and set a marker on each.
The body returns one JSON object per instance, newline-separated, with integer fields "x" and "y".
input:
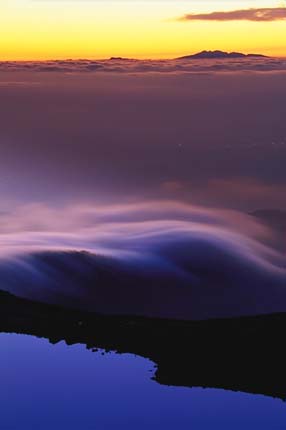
{"x": 253, "y": 14}
{"x": 161, "y": 259}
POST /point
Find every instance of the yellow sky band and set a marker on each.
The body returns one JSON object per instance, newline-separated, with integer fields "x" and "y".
{"x": 45, "y": 29}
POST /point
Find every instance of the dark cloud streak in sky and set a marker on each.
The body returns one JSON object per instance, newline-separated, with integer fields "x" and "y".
{"x": 253, "y": 14}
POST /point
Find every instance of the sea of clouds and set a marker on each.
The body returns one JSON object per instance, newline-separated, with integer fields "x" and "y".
{"x": 126, "y": 65}
{"x": 166, "y": 259}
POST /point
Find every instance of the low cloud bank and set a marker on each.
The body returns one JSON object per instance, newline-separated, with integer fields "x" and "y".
{"x": 160, "y": 259}
{"x": 148, "y": 66}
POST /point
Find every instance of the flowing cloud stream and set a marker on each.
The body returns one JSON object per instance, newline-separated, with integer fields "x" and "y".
{"x": 152, "y": 258}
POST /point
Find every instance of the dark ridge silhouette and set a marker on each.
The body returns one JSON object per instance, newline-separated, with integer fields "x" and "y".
{"x": 120, "y": 59}
{"x": 219, "y": 54}
{"x": 190, "y": 279}
{"x": 242, "y": 354}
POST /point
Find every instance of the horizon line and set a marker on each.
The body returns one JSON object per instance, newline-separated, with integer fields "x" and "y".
{"x": 139, "y": 58}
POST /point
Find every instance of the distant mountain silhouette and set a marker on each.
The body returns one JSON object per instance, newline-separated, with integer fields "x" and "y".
{"x": 120, "y": 59}
{"x": 219, "y": 55}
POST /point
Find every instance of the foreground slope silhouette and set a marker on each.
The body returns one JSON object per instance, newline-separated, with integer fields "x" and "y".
{"x": 245, "y": 354}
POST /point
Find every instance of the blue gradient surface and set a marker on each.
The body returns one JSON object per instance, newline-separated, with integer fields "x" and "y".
{"x": 60, "y": 387}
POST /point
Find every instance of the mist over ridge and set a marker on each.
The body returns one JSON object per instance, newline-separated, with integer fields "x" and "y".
{"x": 166, "y": 259}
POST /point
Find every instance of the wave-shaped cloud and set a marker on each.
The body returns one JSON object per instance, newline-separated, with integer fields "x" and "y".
{"x": 252, "y": 14}
{"x": 134, "y": 66}
{"x": 165, "y": 259}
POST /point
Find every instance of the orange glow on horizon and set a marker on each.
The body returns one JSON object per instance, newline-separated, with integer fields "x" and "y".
{"x": 43, "y": 29}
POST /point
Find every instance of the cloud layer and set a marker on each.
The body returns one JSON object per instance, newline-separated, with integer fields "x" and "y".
{"x": 163, "y": 259}
{"x": 253, "y": 14}
{"x": 134, "y": 66}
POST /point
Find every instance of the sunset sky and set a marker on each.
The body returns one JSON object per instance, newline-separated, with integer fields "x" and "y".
{"x": 44, "y": 29}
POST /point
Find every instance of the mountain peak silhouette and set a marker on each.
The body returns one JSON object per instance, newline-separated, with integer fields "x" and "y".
{"x": 218, "y": 54}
